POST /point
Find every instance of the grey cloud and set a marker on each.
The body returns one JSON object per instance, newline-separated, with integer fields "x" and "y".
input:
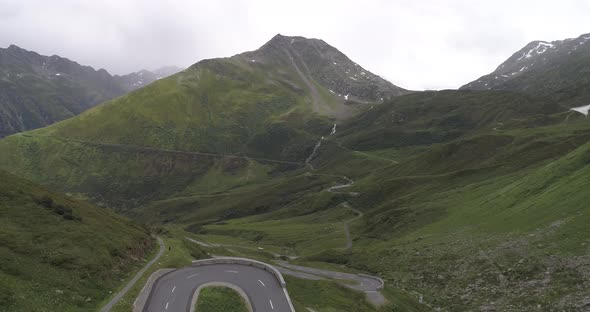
{"x": 426, "y": 44}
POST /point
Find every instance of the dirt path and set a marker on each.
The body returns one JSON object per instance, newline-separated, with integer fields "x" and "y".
{"x": 127, "y": 287}
{"x": 154, "y": 149}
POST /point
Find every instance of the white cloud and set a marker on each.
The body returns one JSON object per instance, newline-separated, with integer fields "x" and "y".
{"x": 426, "y": 44}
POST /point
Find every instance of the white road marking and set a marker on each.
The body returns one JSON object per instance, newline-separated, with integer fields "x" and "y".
{"x": 192, "y": 275}
{"x": 166, "y": 305}
{"x": 271, "y": 306}
{"x": 232, "y": 271}
{"x": 262, "y": 283}
{"x": 173, "y": 288}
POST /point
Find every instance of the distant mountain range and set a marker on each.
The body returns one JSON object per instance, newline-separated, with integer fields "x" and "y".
{"x": 38, "y": 90}
{"x": 136, "y": 80}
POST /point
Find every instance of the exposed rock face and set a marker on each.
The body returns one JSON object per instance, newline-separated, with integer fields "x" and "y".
{"x": 560, "y": 69}
{"x": 327, "y": 66}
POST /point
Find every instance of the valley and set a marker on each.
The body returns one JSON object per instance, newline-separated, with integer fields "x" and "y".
{"x": 292, "y": 154}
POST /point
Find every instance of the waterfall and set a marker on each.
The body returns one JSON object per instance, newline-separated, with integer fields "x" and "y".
{"x": 317, "y": 146}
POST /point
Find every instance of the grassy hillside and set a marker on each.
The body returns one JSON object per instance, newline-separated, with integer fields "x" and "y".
{"x": 493, "y": 217}
{"x": 222, "y": 299}
{"x": 462, "y": 200}
{"x": 58, "y": 253}
{"x": 173, "y": 134}
{"x": 38, "y": 90}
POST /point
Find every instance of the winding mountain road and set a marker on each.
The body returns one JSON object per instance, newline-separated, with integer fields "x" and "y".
{"x": 174, "y": 291}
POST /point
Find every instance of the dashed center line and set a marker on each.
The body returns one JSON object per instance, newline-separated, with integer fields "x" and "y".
{"x": 261, "y": 283}
{"x": 192, "y": 275}
{"x": 174, "y": 288}
{"x": 229, "y": 271}
{"x": 166, "y": 305}
{"x": 271, "y": 306}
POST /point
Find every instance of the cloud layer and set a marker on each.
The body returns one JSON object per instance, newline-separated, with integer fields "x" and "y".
{"x": 427, "y": 44}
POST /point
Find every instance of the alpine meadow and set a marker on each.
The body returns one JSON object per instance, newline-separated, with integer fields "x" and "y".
{"x": 291, "y": 178}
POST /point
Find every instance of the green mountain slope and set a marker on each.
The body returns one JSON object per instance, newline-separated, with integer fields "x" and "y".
{"x": 60, "y": 254}
{"x": 269, "y": 111}
{"x": 466, "y": 200}
{"x": 38, "y": 90}
{"x": 467, "y": 221}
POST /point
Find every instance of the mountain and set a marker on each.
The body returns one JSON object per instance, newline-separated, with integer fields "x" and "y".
{"x": 38, "y": 90}
{"x": 326, "y": 66}
{"x": 61, "y": 254}
{"x": 464, "y": 199}
{"x": 558, "y": 69}
{"x": 265, "y": 104}
{"x": 136, "y": 80}
{"x": 459, "y": 199}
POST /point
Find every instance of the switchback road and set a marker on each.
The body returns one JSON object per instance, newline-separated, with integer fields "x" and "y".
{"x": 174, "y": 291}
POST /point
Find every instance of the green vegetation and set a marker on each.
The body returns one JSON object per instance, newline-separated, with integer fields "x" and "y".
{"x": 467, "y": 199}
{"x": 37, "y": 91}
{"x": 61, "y": 254}
{"x": 220, "y": 299}
{"x": 178, "y": 253}
{"x": 325, "y": 296}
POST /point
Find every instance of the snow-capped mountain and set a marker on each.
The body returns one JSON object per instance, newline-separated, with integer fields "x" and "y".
{"x": 144, "y": 77}
{"x": 541, "y": 68}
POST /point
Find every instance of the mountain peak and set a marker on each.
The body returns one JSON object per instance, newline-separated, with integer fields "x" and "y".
{"x": 322, "y": 63}
{"x": 542, "y": 67}
{"x": 14, "y": 47}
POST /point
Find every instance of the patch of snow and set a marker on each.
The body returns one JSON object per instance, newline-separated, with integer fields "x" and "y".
{"x": 523, "y": 68}
{"x": 362, "y": 74}
{"x": 352, "y": 78}
{"x": 582, "y": 109}
{"x": 381, "y": 99}
{"x": 292, "y": 40}
{"x": 333, "y": 130}
{"x": 332, "y": 92}
{"x": 252, "y": 61}
{"x": 58, "y": 74}
{"x": 334, "y": 63}
{"x": 539, "y": 49}
{"x": 346, "y": 96}
{"x": 505, "y": 76}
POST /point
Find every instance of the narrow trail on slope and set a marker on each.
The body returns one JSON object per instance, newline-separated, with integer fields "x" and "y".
{"x": 336, "y": 190}
{"x": 127, "y": 287}
{"x": 155, "y": 149}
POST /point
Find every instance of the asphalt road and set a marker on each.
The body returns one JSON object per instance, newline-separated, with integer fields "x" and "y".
{"x": 174, "y": 291}
{"x": 363, "y": 283}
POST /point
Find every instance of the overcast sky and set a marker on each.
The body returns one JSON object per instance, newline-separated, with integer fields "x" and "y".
{"x": 426, "y": 44}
